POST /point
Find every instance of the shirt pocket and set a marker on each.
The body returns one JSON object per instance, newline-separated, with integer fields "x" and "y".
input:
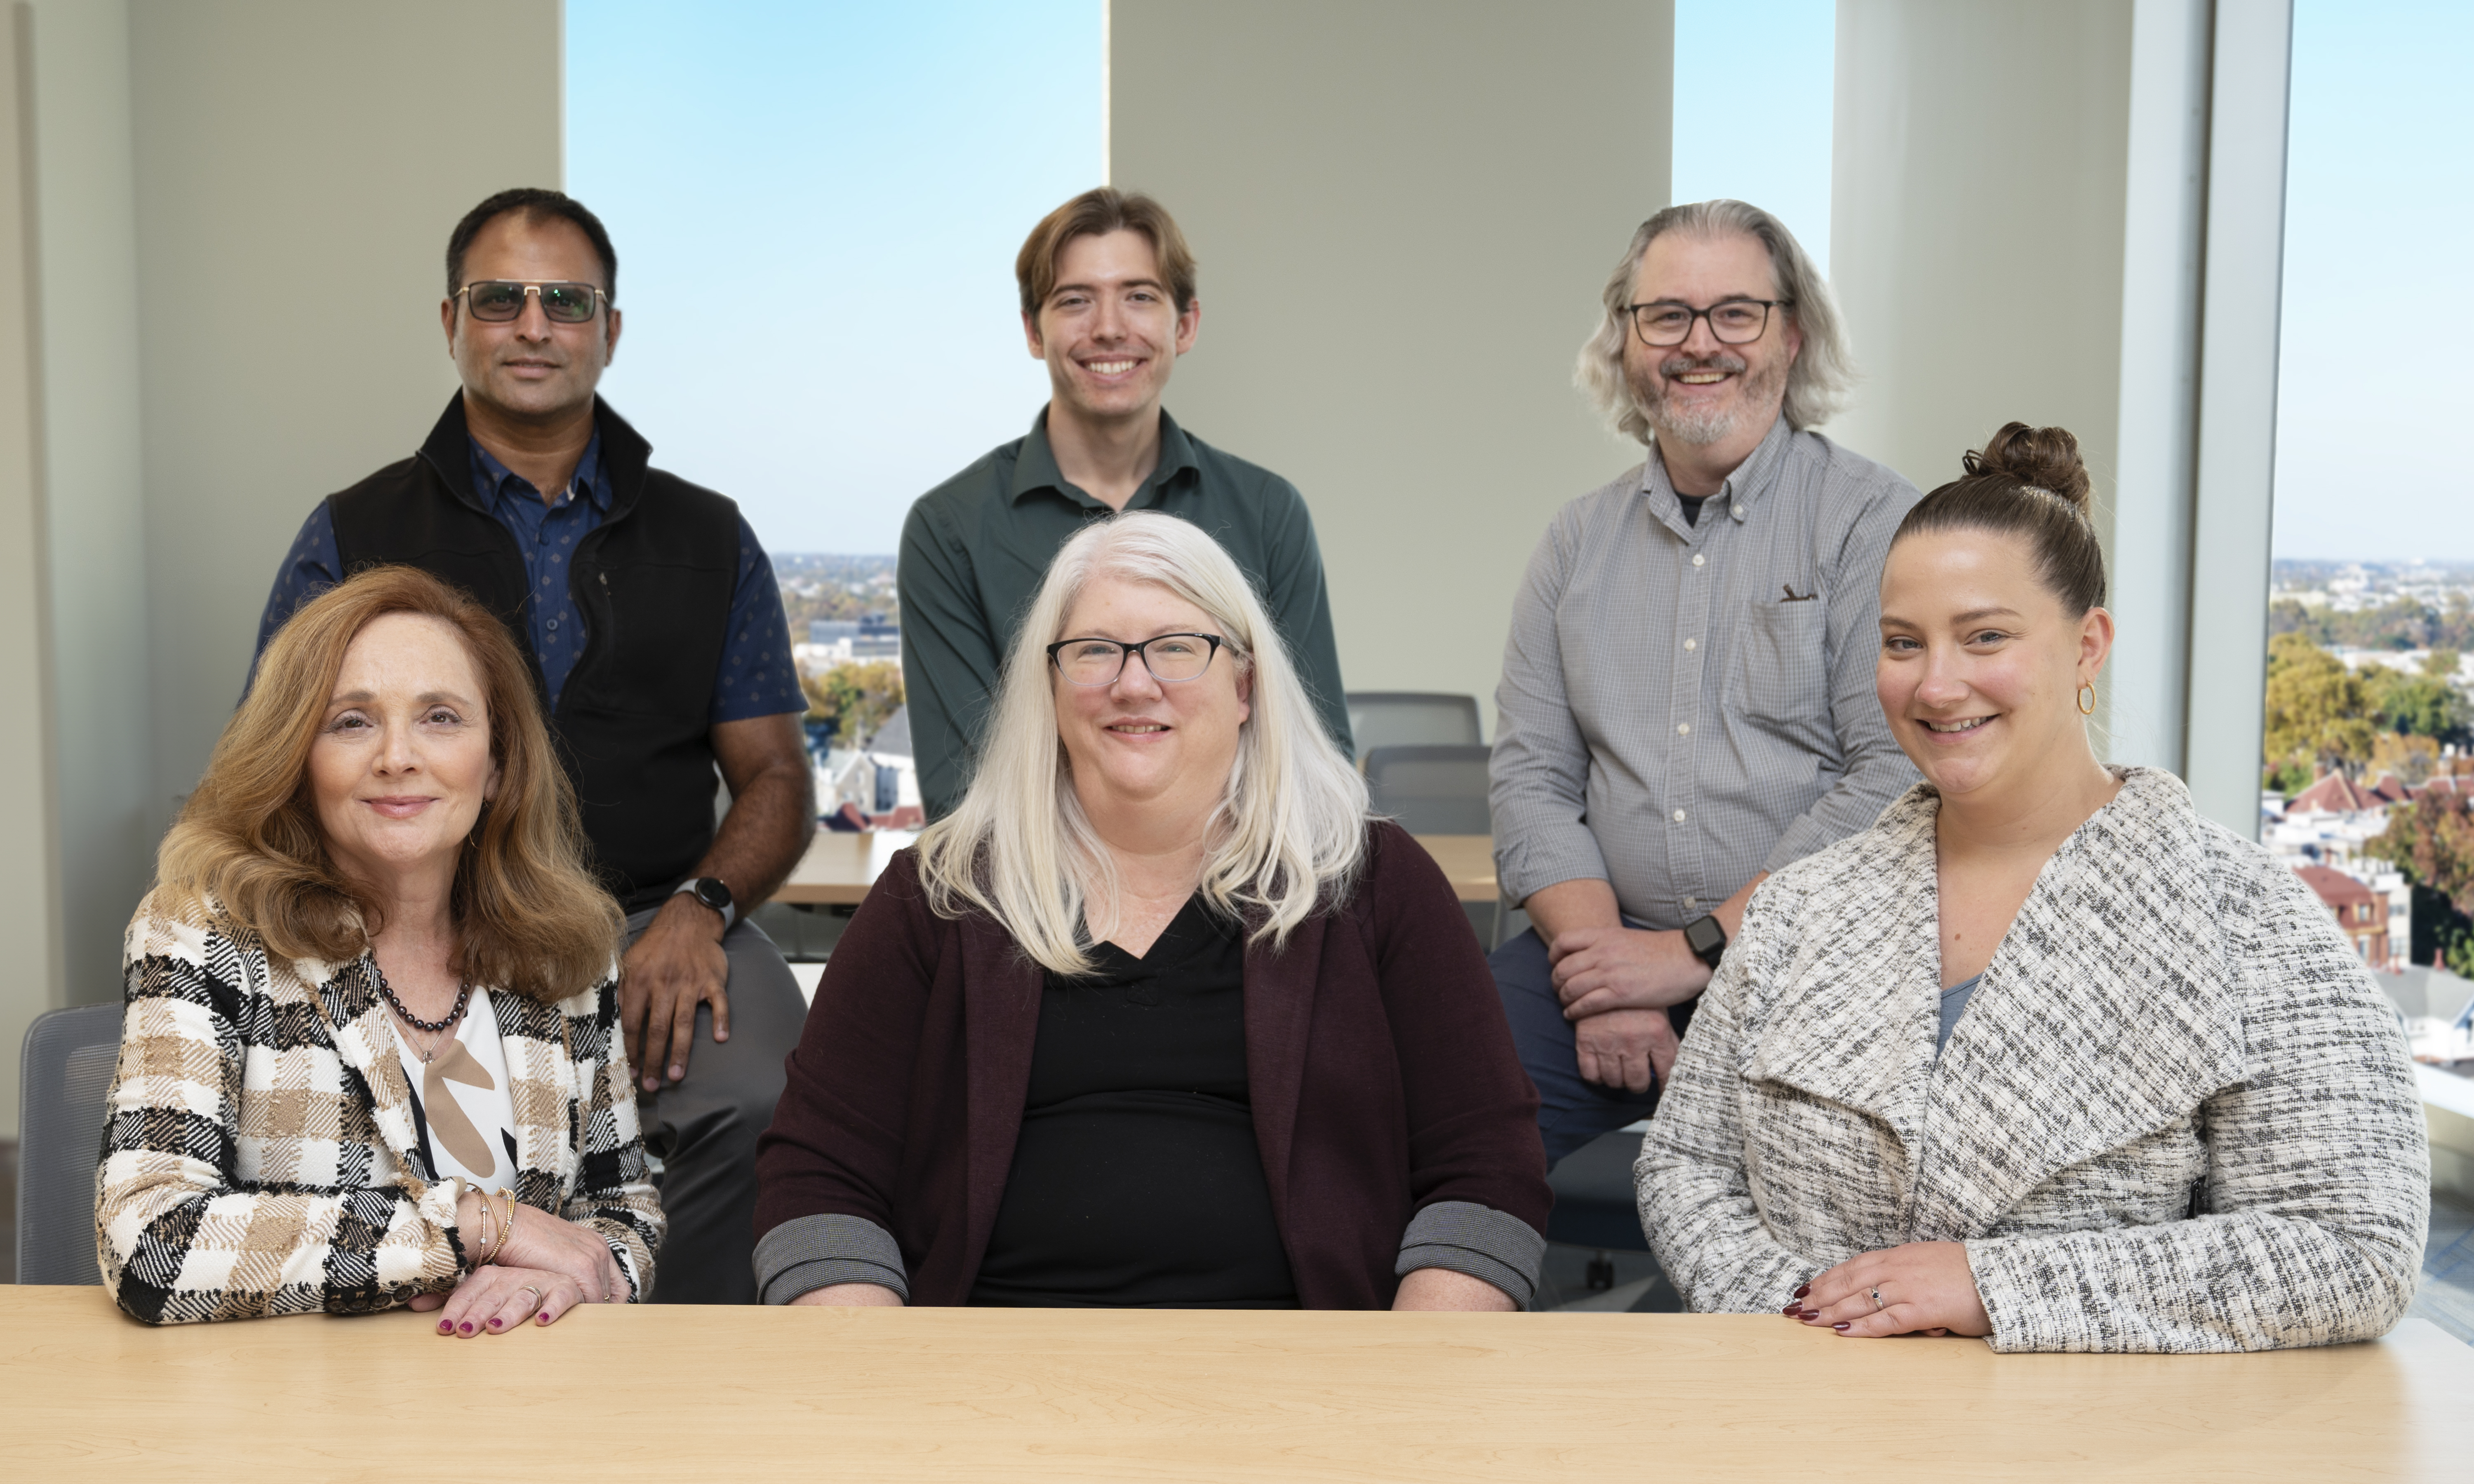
{"x": 1780, "y": 681}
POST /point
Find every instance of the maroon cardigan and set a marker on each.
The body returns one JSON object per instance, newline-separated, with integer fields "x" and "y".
{"x": 1381, "y": 1072}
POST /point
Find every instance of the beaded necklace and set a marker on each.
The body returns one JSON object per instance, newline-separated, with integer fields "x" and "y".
{"x": 437, "y": 1028}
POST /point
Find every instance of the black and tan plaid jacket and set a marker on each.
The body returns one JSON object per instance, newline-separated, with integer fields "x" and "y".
{"x": 260, "y": 1155}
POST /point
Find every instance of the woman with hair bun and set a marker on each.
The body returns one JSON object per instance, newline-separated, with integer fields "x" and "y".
{"x": 2044, "y": 1056}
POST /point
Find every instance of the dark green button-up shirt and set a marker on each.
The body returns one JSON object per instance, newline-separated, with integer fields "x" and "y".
{"x": 976, "y": 548}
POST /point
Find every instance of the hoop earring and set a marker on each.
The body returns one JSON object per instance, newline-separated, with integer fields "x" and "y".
{"x": 2086, "y": 698}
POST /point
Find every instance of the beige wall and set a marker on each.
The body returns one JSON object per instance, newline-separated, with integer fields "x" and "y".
{"x": 1404, "y": 215}
{"x": 1976, "y": 241}
{"x": 229, "y": 236}
{"x": 298, "y": 164}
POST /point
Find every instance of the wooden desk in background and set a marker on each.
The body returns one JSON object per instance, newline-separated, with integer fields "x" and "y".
{"x": 695, "y": 1393}
{"x": 839, "y": 869}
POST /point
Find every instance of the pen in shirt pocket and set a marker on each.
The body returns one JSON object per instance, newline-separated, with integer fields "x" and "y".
{"x": 1793, "y": 596}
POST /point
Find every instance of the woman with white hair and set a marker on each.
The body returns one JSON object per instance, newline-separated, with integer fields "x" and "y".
{"x": 1158, "y": 1017}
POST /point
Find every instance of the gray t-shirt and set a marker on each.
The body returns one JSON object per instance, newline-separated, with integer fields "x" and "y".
{"x": 1953, "y": 1001}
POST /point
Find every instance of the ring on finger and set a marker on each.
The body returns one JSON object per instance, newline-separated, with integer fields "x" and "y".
{"x": 535, "y": 1292}
{"x": 1878, "y": 1305}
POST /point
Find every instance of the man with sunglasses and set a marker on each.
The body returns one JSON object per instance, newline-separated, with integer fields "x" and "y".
{"x": 1686, "y": 702}
{"x": 651, "y": 617}
{"x": 1108, "y": 303}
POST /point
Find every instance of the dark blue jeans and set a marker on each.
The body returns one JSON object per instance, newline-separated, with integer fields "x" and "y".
{"x": 1570, "y": 1111}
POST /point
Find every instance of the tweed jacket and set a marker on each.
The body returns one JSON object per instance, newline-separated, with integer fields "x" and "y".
{"x": 260, "y": 1155}
{"x": 2175, "y": 1115}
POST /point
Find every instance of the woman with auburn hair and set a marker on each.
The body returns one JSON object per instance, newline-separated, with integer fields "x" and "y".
{"x": 1158, "y": 1017}
{"x": 371, "y": 1055}
{"x": 2045, "y": 1056}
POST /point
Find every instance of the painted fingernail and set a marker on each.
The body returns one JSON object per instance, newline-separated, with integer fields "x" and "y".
{"x": 468, "y": 1327}
{"x": 444, "y": 1328}
{"x": 1840, "y": 1326}
{"x": 1793, "y": 1309}
{"x": 494, "y": 1324}
{"x": 544, "y": 1317}
{"x": 1804, "y": 1290}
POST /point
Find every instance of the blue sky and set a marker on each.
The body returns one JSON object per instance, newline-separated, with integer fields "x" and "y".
{"x": 2379, "y": 209}
{"x": 1776, "y": 154}
{"x": 816, "y": 207}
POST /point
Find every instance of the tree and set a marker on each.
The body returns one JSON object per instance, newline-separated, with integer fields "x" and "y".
{"x": 2430, "y": 840}
{"x": 853, "y": 700}
{"x": 2319, "y": 711}
{"x": 2417, "y": 705}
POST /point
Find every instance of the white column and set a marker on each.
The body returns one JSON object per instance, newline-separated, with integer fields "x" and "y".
{"x": 2163, "y": 218}
{"x": 102, "y": 718}
{"x": 1976, "y": 226}
{"x": 29, "y": 901}
{"x": 2236, "y": 439}
{"x": 1405, "y": 217}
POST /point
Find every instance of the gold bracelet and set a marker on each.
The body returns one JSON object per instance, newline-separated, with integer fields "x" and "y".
{"x": 480, "y": 1253}
{"x": 509, "y": 1235}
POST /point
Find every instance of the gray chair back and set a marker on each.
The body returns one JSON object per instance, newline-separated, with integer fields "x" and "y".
{"x": 1411, "y": 718}
{"x": 1593, "y": 1196}
{"x": 63, "y": 1077}
{"x": 1431, "y": 790}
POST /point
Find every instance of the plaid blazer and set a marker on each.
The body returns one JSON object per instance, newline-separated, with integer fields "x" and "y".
{"x": 2175, "y": 1115}
{"x": 260, "y": 1158}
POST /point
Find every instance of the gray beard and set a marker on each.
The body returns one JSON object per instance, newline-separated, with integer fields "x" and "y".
{"x": 1699, "y": 429}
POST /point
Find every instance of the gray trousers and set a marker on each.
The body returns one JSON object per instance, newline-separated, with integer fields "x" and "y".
{"x": 704, "y": 1130}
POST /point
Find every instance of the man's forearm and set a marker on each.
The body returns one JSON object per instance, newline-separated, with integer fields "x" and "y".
{"x": 1589, "y": 902}
{"x": 1584, "y": 902}
{"x": 763, "y": 835}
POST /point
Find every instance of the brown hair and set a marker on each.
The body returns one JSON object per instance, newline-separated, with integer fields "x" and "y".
{"x": 1095, "y": 213}
{"x": 2027, "y": 483}
{"x": 248, "y": 853}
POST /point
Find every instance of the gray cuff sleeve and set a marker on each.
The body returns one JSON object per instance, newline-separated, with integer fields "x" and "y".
{"x": 1485, "y": 1243}
{"x": 814, "y": 1251}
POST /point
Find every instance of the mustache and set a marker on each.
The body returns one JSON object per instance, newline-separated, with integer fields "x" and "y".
{"x": 1678, "y": 365}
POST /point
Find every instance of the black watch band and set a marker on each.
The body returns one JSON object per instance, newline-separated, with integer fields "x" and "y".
{"x": 1706, "y": 938}
{"x": 714, "y": 893}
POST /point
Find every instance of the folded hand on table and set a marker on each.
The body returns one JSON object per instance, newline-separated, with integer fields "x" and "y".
{"x": 1922, "y": 1288}
{"x": 546, "y": 1267}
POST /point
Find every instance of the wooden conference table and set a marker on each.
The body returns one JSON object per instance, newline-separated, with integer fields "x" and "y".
{"x": 664, "y": 1394}
{"x": 839, "y": 869}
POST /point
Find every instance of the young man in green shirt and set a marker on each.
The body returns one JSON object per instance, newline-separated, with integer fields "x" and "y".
{"x": 1108, "y": 303}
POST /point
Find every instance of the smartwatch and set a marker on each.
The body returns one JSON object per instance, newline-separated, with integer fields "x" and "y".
{"x": 1706, "y": 938}
{"x": 714, "y": 893}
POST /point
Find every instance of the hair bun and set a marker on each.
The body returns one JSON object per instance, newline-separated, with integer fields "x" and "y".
{"x": 2047, "y": 458}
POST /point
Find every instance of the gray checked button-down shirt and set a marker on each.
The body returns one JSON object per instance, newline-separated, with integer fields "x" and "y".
{"x": 1683, "y": 707}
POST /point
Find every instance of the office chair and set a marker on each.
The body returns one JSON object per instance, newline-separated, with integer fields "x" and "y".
{"x": 63, "y": 1077}
{"x": 1594, "y": 1203}
{"x": 1411, "y": 718}
{"x": 1431, "y": 790}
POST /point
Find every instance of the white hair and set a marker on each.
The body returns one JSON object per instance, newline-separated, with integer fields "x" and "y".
{"x": 1816, "y": 384}
{"x": 1290, "y": 829}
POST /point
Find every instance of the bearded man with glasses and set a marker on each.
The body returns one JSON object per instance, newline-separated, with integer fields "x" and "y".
{"x": 1686, "y": 703}
{"x": 651, "y": 619}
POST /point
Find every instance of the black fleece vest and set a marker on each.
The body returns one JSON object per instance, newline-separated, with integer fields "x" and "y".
{"x": 653, "y": 583}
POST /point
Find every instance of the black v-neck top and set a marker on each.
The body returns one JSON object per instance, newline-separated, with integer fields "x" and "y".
{"x": 1136, "y": 1181}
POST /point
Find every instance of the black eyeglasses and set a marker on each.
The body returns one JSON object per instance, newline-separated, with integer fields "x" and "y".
{"x": 1171, "y": 658}
{"x": 498, "y": 301}
{"x": 1733, "y": 322}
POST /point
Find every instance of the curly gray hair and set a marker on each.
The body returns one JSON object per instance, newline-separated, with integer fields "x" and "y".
{"x": 1822, "y": 374}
